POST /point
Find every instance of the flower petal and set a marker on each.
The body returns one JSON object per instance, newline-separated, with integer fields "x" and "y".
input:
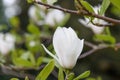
{"x": 67, "y": 46}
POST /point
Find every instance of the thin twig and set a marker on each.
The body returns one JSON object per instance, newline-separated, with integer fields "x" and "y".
{"x": 9, "y": 71}
{"x": 91, "y": 51}
{"x": 82, "y": 12}
{"x": 90, "y": 44}
{"x": 96, "y": 48}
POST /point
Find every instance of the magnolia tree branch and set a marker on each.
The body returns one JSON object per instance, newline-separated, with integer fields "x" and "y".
{"x": 81, "y": 12}
{"x": 96, "y": 48}
{"x": 20, "y": 72}
{"x": 92, "y": 51}
{"x": 9, "y": 71}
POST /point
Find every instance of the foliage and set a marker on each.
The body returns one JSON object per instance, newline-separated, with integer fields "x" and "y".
{"x": 28, "y": 54}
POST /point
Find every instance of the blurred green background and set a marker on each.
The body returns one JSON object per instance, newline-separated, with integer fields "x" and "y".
{"x": 104, "y": 63}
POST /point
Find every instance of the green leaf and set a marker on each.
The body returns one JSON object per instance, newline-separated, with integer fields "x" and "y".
{"x": 46, "y": 71}
{"x": 51, "y": 1}
{"x": 33, "y": 29}
{"x": 107, "y": 38}
{"x": 90, "y": 78}
{"x": 64, "y": 21}
{"x": 15, "y": 22}
{"x": 99, "y": 78}
{"x": 115, "y": 11}
{"x": 22, "y": 63}
{"x": 60, "y": 74}
{"x": 29, "y": 1}
{"x": 14, "y": 79}
{"x": 44, "y": 1}
{"x": 71, "y": 76}
{"x": 39, "y": 61}
{"x": 116, "y": 3}
{"x": 107, "y": 30}
{"x": 26, "y": 78}
{"x": 87, "y": 6}
{"x": 104, "y": 6}
{"x": 83, "y": 75}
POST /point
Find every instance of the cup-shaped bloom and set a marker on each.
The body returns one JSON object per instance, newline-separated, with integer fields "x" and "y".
{"x": 96, "y": 29}
{"x": 7, "y": 43}
{"x": 67, "y": 46}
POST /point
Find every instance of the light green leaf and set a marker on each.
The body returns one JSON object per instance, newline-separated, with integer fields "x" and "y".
{"x": 39, "y": 61}
{"x": 14, "y": 79}
{"x": 44, "y": 1}
{"x": 14, "y": 21}
{"x": 29, "y": 1}
{"x": 115, "y": 11}
{"x": 116, "y": 3}
{"x": 64, "y": 21}
{"x": 71, "y": 76}
{"x": 33, "y": 29}
{"x": 46, "y": 71}
{"x": 83, "y": 75}
{"x": 60, "y": 74}
{"x": 90, "y": 78}
{"x": 87, "y": 6}
{"x": 49, "y": 1}
{"x": 104, "y": 6}
{"x": 99, "y": 78}
{"x": 22, "y": 63}
{"x": 26, "y": 78}
{"x": 107, "y": 38}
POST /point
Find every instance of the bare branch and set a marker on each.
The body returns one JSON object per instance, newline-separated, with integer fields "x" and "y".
{"x": 90, "y": 45}
{"x": 96, "y": 48}
{"x": 92, "y": 51}
{"x": 9, "y": 71}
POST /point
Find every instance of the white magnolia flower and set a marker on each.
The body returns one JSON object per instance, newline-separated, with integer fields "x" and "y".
{"x": 12, "y": 8}
{"x": 40, "y": 17}
{"x": 7, "y": 43}
{"x": 32, "y": 43}
{"x": 67, "y": 46}
{"x": 33, "y": 13}
{"x": 95, "y": 29}
{"x": 54, "y": 17}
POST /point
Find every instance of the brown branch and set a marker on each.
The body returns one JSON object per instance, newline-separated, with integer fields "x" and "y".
{"x": 9, "y": 71}
{"x": 96, "y": 48}
{"x": 82, "y": 12}
{"x": 92, "y": 51}
{"x": 90, "y": 44}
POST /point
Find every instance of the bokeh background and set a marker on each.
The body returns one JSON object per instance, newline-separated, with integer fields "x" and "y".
{"x": 103, "y": 63}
